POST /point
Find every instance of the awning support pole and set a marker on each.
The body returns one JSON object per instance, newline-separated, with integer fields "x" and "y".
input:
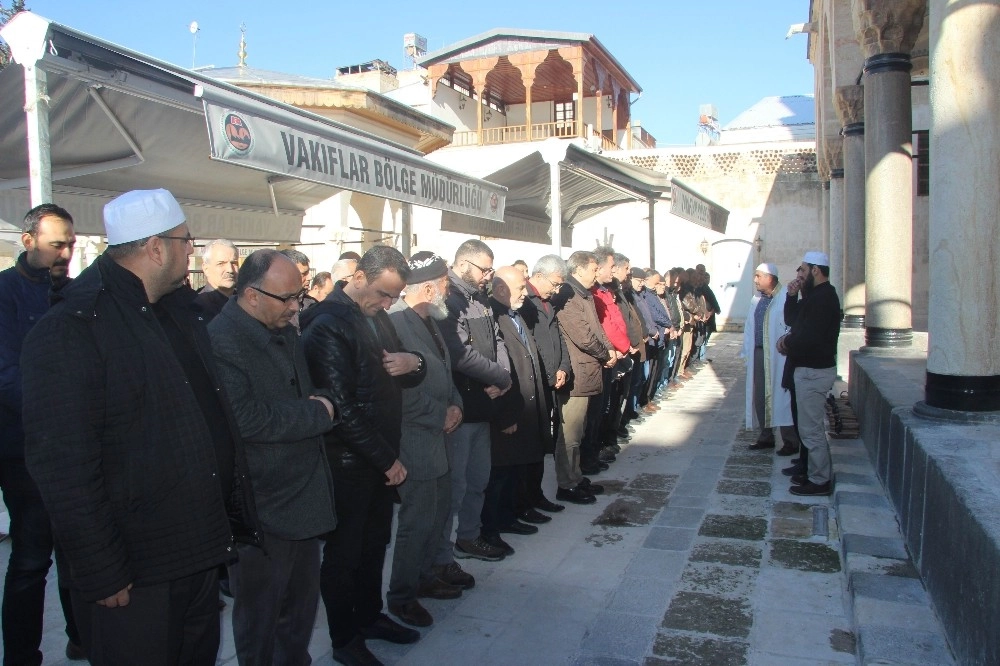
{"x": 652, "y": 234}
{"x": 406, "y": 229}
{"x": 36, "y": 110}
{"x": 555, "y": 201}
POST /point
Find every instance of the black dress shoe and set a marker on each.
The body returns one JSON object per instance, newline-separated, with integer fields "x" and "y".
{"x": 592, "y": 488}
{"x": 546, "y": 505}
{"x": 534, "y": 517}
{"x": 810, "y": 489}
{"x": 794, "y": 469}
{"x": 498, "y": 543}
{"x": 799, "y": 479}
{"x": 593, "y": 468}
{"x": 787, "y": 450}
{"x": 385, "y": 629}
{"x": 412, "y": 613}
{"x": 517, "y": 527}
{"x": 606, "y": 456}
{"x": 760, "y": 446}
{"x": 355, "y": 653}
{"x": 575, "y": 495}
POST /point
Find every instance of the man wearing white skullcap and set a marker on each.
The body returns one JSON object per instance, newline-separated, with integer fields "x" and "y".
{"x": 768, "y": 405}
{"x": 811, "y": 348}
{"x": 143, "y": 458}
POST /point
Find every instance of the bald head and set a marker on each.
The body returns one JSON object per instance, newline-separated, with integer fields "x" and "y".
{"x": 510, "y": 286}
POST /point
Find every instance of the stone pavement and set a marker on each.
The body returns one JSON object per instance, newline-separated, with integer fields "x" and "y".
{"x": 696, "y": 554}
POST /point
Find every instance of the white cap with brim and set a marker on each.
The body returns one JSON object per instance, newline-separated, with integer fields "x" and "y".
{"x": 816, "y": 258}
{"x": 770, "y": 269}
{"x": 140, "y": 214}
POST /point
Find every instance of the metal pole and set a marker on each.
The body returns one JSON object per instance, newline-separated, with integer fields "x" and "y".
{"x": 406, "y": 229}
{"x": 36, "y": 110}
{"x": 652, "y": 234}
{"x": 555, "y": 199}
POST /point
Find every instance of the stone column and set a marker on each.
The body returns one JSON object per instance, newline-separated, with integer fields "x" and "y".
{"x": 887, "y": 30}
{"x": 963, "y": 361}
{"x": 851, "y": 112}
{"x": 835, "y": 232}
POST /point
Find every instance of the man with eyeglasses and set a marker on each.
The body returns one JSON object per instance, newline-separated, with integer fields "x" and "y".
{"x": 282, "y": 419}
{"x": 143, "y": 459}
{"x": 220, "y": 263}
{"x": 539, "y": 313}
{"x": 481, "y": 370}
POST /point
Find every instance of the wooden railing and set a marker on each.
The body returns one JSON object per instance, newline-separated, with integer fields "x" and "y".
{"x": 519, "y": 133}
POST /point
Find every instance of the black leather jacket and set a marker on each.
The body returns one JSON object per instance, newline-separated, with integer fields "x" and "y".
{"x": 345, "y": 357}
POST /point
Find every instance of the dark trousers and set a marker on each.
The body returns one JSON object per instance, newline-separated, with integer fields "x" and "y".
{"x": 673, "y": 357}
{"x": 163, "y": 625}
{"x": 275, "y": 594}
{"x": 615, "y": 405}
{"x": 803, "y": 458}
{"x": 500, "y": 501}
{"x": 529, "y": 488}
{"x": 590, "y": 446}
{"x": 350, "y": 579}
{"x": 30, "y": 559}
{"x": 423, "y": 511}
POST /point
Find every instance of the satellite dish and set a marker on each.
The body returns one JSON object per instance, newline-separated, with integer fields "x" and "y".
{"x": 194, "y": 27}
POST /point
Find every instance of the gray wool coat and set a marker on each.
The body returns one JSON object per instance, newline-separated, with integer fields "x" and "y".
{"x": 266, "y": 378}
{"x": 422, "y": 449}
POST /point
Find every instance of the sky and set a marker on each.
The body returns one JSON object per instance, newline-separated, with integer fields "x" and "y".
{"x": 730, "y": 53}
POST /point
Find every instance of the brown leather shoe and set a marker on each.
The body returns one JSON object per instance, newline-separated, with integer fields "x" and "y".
{"x": 453, "y": 574}
{"x": 411, "y": 613}
{"x": 435, "y": 588}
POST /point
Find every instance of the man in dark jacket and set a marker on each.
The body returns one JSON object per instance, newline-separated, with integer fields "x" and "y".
{"x": 220, "y": 264}
{"x": 520, "y": 435}
{"x": 48, "y": 240}
{"x": 282, "y": 419}
{"x": 353, "y": 352}
{"x": 811, "y": 348}
{"x": 144, "y": 457}
{"x": 539, "y": 313}
{"x": 480, "y": 367}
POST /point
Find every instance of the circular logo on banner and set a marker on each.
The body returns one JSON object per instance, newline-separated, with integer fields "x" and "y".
{"x": 237, "y": 133}
{"x": 494, "y": 202}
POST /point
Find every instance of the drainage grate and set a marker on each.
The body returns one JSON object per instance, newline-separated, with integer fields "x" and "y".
{"x": 821, "y": 521}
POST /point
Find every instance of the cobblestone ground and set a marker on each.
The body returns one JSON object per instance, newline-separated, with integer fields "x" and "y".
{"x": 696, "y": 554}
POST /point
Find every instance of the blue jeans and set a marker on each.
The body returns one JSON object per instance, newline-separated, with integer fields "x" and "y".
{"x": 30, "y": 559}
{"x": 470, "y": 462}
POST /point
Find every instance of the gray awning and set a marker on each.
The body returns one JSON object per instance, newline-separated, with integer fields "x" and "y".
{"x": 589, "y": 184}
{"x": 119, "y": 120}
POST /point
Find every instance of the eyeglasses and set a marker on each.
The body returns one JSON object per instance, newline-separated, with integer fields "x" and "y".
{"x": 284, "y": 299}
{"x": 557, "y": 285}
{"x": 187, "y": 239}
{"x": 485, "y": 271}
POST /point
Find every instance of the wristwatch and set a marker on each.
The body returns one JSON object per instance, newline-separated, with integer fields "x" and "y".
{"x": 420, "y": 363}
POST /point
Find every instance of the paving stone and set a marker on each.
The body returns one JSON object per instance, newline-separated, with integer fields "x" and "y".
{"x": 709, "y": 614}
{"x": 733, "y": 527}
{"x": 735, "y": 553}
{"x": 859, "y": 562}
{"x": 708, "y": 462}
{"x": 599, "y": 660}
{"x": 677, "y": 649}
{"x": 795, "y": 510}
{"x": 653, "y": 482}
{"x": 620, "y": 635}
{"x": 657, "y": 564}
{"x": 746, "y": 472}
{"x": 790, "y": 528}
{"x": 845, "y": 478}
{"x": 643, "y": 595}
{"x": 759, "y": 507}
{"x": 669, "y": 538}
{"x": 680, "y": 517}
{"x": 690, "y": 501}
{"x": 804, "y": 556}
{"x": 695, "y": 489}
{"x": 751, "y": 488}
{"x": 874, "y": 500}
{"x": 870, "y": 611}
{"x": 751, "y": 458}
{"x": 804, "y": 635}
{"x": 717, "y": 579}
{"x": 632, "y": 508}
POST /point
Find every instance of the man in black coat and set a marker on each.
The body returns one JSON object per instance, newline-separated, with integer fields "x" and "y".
{"x": 539, "y": 313}
{"x": 355, "y": 356}
{"x": 143, "y": 458}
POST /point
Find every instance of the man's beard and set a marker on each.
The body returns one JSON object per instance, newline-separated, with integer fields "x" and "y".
{"x": 438, "y": 309}
{"x": 808, "y": 285}
{"x": 467, "y": 279}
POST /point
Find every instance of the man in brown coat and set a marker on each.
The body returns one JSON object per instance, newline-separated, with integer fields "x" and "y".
{"x": 589, "y": 352}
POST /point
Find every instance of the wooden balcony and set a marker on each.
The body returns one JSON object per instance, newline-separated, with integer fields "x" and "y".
{"x": 519, "y": 134}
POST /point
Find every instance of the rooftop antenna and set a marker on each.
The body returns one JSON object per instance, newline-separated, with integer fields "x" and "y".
{"x": 243, "y": 45}
{"x": 194, "y": 29}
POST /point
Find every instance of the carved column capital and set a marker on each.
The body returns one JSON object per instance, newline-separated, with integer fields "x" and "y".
{"x": 887, "y": 26}
{"x": 850, "y": 103}
{"x": 833, "y": 156}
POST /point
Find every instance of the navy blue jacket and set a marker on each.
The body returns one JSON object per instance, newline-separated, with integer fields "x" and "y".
{"x": 24, "y": 298}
